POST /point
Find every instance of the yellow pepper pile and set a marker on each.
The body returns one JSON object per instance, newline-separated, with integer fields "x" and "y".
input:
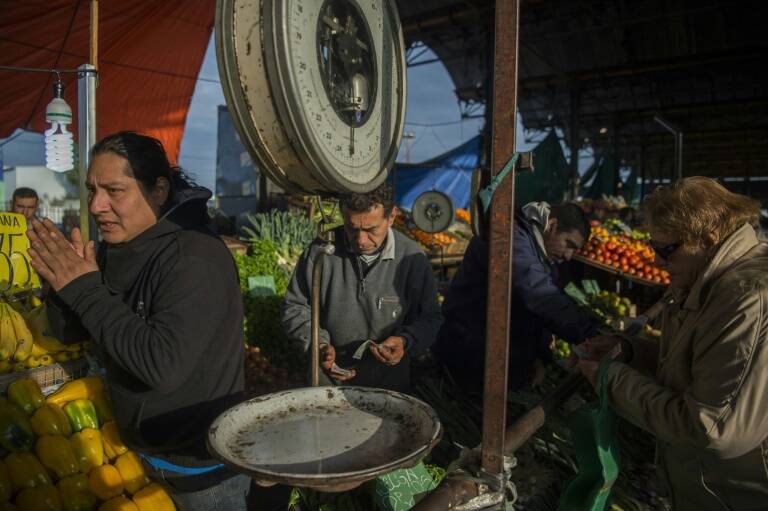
{"x": 66, "y": 453}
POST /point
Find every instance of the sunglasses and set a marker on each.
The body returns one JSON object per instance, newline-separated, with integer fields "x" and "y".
{"x": 665, "y": 250}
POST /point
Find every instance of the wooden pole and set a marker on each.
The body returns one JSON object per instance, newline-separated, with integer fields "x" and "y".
{"x": 94, "y": 54}
{"x": 87, "y": 122}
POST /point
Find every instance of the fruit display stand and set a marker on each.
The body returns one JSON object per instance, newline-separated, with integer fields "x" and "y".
{"x": 616, "y": 271}
{"x": 444, "y": 249}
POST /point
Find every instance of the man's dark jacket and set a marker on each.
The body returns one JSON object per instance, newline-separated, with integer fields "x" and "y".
{"x": 539, "y": 309}
{"x": 166, "y": 312}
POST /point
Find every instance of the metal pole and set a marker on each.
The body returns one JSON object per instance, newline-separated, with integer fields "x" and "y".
{"x": 616, "y": 160}
{"x": 86, "y": 129}
{"x": 642, "y": 172}
{"x": 575, "y": 143}
{"x": 678, "y": 134}
{"x": 500, "y": 239}
{"x": 317, "y": 278}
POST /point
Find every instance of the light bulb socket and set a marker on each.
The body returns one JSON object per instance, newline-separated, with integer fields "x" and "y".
{"x": 58, "y": 89}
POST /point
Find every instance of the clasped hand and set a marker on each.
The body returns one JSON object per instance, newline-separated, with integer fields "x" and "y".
{"x": 57, "y": 260}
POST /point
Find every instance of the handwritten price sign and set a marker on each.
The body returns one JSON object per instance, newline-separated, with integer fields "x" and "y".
{"x": 16, "y": 273}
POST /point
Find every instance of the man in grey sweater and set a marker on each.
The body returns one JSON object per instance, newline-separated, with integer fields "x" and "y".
{"x": 377, "y": 286}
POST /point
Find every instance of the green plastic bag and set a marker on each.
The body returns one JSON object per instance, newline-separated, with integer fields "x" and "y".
{"x": 398, "y": 490}
{"x": 595, "y": 438}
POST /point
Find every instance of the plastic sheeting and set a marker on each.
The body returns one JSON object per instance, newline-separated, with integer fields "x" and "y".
{"x": 450, "y": 173}
{"x": 150, "y": 53}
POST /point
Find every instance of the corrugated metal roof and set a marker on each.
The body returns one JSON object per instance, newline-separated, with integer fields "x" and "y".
{"x": 699, "y": 64}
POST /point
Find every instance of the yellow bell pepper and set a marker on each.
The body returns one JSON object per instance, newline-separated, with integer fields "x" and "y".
{"x": 6, "y": 488}
{"x": 88, "y": 450}
{"x": 153, "y": 498}
{"x": 132, "y": 471}
{"x": 105, "y": 482}
{"x": 56, "y": 454}
{"x": 26, "y": 471}
{"x": 26, "y": 394}
{"x": 7, "y": 506}
{"x": 118, "y": 504}
{"x": 110, "y": 437}
{"x": 103, "y": 407}
{"x": 50, "y": 420}
{"x": 82, "y": 388}
{"x": 76, "y": 494}
{"x": 41, "y": 498}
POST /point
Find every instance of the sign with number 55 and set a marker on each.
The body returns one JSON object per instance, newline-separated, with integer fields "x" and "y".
{"x": 16, "y": 273}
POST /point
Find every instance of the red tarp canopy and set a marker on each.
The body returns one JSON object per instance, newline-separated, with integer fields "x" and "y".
{"x": 150, "y": 53}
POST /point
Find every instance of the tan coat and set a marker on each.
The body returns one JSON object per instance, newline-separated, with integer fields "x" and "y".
{"x": 706, "y": 397}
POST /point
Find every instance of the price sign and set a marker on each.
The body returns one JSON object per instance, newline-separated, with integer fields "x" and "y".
{"x": 16, "y": 273}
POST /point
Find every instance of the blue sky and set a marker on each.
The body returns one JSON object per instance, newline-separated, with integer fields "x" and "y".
{"x": 431, "y": 102}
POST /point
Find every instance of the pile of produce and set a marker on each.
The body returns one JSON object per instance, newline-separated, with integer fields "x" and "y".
{"x": 427, "y": 240}
{"x": 24, "y": 343}
{"x": 603, "y": 304}
{"x": 464, "y": 215}
{"x": 616, "y": 226}
{"x": 65, "y": 453}
{"x": 291, "y": 233}
{"x": 562, "y": 350}
{"x": 272, "y": 362}
{"x": 262, "y": 377}
{"x": 624, "y": 254}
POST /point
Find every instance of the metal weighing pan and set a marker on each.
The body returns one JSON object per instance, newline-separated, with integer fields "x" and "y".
{"x": 326, "y": 438}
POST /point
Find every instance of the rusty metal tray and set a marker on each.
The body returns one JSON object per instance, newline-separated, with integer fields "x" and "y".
{"x": 327, "y": 438}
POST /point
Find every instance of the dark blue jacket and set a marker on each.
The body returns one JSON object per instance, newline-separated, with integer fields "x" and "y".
{"x": 539, "y": 308}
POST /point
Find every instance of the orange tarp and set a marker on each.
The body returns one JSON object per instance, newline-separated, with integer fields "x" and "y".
{"x": 150, "y": 52}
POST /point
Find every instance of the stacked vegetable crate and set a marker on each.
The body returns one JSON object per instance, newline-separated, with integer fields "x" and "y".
{"x": 64, "y": 453}
{"x": 49, "y": 377}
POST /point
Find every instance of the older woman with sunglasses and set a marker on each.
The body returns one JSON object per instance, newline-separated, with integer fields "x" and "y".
{"x": 702, "y": 390}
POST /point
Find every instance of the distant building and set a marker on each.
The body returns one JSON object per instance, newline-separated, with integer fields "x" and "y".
{"x": 240, "y": 186}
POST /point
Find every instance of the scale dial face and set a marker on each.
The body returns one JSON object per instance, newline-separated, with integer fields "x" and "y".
{"x": 316, "y": 88}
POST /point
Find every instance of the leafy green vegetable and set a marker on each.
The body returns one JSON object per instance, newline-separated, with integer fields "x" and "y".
{"x": 290, "y": 233}
{"x": 263, "y": 325}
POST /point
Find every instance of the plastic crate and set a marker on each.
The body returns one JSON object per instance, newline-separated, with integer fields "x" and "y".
{"x": 49, "y": 377}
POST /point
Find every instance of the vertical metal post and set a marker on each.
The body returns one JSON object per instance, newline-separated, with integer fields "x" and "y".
{"x": 86, "y": 129}
{"x": 616, "y": 160}
{"x": 679, "y": 156}
{"x": 642, "y": 171}
{"x": 677, "y": 168}
{"x": 499, "y": 308}
{"x": 575, "y": 143}
{"x": 317, "y": 279}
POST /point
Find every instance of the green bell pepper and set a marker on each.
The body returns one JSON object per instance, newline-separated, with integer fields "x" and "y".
{"x": 81, "y": 414}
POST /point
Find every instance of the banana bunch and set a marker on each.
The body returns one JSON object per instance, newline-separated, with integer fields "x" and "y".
{"x": 15, "y": 337}
{"x": 24, "y": 344}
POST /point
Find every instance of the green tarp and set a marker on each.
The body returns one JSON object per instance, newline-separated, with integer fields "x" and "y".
{"x": 604, "y": 172}
{"x": 550, "y": 179}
